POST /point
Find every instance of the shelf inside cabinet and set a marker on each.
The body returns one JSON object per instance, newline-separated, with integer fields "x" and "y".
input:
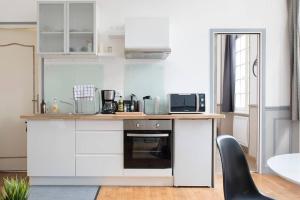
{"x": 81, "y": 32}
{"x": 51, "y": 32}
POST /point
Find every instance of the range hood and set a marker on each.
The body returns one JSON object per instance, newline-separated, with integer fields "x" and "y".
{"x": 141, "y": 53}
{"x": 147, "y": 38}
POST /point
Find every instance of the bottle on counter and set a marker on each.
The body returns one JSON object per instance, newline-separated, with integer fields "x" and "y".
{"x": 121, "y": 104}
{"x": 54, "y": 106}
{"x": 43, "y": 107}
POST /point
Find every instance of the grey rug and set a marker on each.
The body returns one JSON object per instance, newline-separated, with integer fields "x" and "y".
{"x": 63, "y": 192}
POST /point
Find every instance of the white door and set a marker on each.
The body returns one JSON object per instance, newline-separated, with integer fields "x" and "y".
{"x": 16, "y": 89}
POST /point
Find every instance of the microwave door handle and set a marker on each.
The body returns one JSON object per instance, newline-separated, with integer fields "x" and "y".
{"x": 147, "y": 135}
{"x": 197, "y": 103}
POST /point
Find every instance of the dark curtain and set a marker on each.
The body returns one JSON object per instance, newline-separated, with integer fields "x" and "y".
{"x": 229, "y": 75}
{"x": 294, "y": 26}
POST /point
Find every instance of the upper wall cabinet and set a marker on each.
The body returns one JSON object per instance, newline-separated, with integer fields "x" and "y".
{"x": 67, "y": 27}
{"x": 52, "y": 27}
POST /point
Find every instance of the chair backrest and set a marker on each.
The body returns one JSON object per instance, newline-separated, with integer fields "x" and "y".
{"x": 237, "y": 179}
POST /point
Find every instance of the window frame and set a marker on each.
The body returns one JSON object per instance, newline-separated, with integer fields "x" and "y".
{"x": 242, "y": 78}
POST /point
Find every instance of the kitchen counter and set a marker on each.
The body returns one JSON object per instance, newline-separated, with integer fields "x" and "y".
{"x": 66, "y": 149}
{"x": 120, "y": 117}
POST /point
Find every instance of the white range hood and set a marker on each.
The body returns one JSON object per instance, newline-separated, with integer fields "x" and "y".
{"x": 147, "y": 38}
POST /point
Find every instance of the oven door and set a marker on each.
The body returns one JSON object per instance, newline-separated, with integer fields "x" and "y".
{"x": 147, "y": 149}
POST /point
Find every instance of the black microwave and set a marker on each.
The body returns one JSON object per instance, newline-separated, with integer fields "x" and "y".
{"x": 187, "y": 103}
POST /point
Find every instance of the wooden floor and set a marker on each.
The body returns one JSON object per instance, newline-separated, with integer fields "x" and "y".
{"x": 270, "y": 185}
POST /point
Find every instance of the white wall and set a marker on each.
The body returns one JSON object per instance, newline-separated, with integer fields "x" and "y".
{"x": 17, "y": 10}
{"x": 188, "y": 67}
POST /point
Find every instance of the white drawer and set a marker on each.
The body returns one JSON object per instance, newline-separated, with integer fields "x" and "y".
{"x": 99, "y": 125}
{"x": 99, "y": 165}
{"x": 109, "y": 142}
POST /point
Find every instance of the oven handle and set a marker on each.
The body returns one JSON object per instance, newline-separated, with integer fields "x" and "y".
{"x": 147, "y": 135}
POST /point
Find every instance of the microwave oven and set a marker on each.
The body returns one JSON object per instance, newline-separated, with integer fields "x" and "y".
{"x": 187, "y": 103}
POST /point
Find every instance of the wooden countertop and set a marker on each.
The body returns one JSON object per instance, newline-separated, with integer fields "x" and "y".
{"x": 119, "y": 117}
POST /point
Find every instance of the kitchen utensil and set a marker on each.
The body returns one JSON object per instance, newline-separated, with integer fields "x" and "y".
{"x": 133, "y": 103}
{"x": 85, "y": 99}
{"x": 144, "y": 99}
{"x": 108, "y": 95}
{"x": 109, "y": 105}
{"x": 84, "y": 49}
{"x": 127, "y": 106}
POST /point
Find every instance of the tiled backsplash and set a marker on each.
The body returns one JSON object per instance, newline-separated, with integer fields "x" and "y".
{"x": 60, "y": 79}
{"x": 146, "y": 79}
{"x": 139, "y": 79}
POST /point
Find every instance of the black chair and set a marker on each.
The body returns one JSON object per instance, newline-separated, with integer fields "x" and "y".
{"x": 237, "y": 180}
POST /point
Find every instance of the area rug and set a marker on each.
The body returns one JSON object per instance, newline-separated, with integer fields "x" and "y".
{"x": 64, "y": 192}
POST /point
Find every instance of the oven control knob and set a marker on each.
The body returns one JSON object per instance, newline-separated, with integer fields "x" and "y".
{"x": 157, "y": 125}
{"x": 137, "y": 125}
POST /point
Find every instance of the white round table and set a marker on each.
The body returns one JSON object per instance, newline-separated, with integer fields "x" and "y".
{"x": 287, "y": 166}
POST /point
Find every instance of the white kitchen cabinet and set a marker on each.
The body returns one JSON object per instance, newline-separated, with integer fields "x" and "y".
{"x": 51, "y": 148}
{"x": 99, "y": 125}
{"x": 99, "y": 142}
{"x": 51, "y": 27}
{"x": 99, "y": 148}
{"x": 81, "y": 27}
{"x": 67, "y": 27}
{"x": 193, "y": 153}
{"x": 99, "y": 165}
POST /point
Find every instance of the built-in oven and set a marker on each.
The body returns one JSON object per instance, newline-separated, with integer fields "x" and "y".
{"x": 147, "y": 144}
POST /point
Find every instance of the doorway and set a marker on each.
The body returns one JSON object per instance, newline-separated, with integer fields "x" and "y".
{"x": 18, "y": 90}
{"x": 237, "y": 63}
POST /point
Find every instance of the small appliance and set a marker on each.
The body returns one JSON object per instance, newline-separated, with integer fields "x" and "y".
{"x": 109, "y": 105}
{"x": 187, "y": 103}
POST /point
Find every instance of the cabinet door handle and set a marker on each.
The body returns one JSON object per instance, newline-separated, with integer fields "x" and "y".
{"x": 255, "y": 63}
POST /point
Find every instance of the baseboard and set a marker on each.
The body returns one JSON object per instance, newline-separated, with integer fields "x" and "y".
{"x": 13, "y": 164}
{"x": 109, "y": 181}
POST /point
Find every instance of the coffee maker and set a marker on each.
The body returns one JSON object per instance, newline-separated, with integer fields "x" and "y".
{"x": 109, "y": 105}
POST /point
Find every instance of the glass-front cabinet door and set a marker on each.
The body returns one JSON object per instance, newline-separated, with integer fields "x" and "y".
{"x": 51, "y": 25}
{"x": 81, "y": 27}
